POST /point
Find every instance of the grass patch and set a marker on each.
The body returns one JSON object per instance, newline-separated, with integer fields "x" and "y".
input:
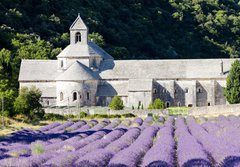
{"x": 37, "y": 148}
{"x": 178, "y": 111}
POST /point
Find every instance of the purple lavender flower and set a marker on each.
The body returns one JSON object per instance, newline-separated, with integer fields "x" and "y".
{"x": 97, "y": 158}
{"x": 162, "y": 152}
{"x": 132, "y": 155}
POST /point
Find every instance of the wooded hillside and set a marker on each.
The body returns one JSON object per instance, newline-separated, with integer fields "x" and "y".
{"x": 127, "y": 29}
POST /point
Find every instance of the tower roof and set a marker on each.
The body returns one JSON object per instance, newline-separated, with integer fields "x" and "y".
{"x": 78, "y": 72}
{"x": 78, "y": 24}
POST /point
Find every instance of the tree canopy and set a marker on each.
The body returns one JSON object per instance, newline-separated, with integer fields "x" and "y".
{"x": 232, "y": 90}
{"x": 28, "y": 102}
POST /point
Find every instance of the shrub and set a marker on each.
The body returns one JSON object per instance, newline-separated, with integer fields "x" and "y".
{"x": 83, "y": 114}
{"x": 116, "y": 103}
{"x": 128, "y": 115}
{"x": 157, "y": 104}
{"x": 54, "y": 117}
{"x": 28, "y": 103}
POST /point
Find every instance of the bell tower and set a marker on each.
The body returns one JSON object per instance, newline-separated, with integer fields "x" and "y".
{"x": 78, "y": 32}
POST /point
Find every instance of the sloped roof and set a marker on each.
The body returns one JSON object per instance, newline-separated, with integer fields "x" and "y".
{"x": 165, "y": 69}
{"x": 78, "y": 24}
{"x": 78, "y": 72}
{"x": 78, "y": 50}
{"x": 75, "y": 50}
{"x": 38, "y": 70}
{"x": 97, "y": 50}
{"x": 140, "y": 85}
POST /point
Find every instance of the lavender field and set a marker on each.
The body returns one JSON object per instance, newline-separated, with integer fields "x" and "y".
{"x": 151, "y": 142}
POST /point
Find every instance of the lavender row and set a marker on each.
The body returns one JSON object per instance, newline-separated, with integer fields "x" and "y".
{"x": 101, "y": 157}
{"x": 223, "y": 153}
{"x": 68, "y": 159}
{"x": 132, "y": 155}
{"x": 189, "y": 151}
{"x": 162, "y": 152}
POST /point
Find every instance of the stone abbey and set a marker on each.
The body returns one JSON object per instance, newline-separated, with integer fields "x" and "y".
{"x": 85, "y": 75}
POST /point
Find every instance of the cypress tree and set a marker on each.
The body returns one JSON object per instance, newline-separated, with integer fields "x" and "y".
{"x": 232, "y": 90}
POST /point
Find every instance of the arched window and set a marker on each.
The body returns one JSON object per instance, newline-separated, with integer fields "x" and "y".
{"x": 61, "y": 96}
{"x": 61, "y": 63}
{"x": 74, "y": 96}
{"x": 78, "y": 37}
{"x": 167, "y": 104}
{"x": 199, "y": 90}
{"x": 154, "y": 91}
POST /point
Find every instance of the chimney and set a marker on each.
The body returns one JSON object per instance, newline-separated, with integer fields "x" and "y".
{"x": 221, "y": 64}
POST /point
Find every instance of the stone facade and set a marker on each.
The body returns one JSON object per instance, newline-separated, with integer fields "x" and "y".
{"x": 85, "y": 75}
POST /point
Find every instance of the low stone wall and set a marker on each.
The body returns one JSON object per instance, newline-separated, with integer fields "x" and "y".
{"x": 215, "y": 110}
{"x": 195, "y": 111}
{"x": 103, "y": 110}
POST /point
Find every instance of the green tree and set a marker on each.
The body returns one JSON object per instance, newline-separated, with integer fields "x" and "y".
{"x": 8, "y": 94}
{"x": 28, "y": 102}
{"x": 157, "y": 104}
{"x": 97, "y": 38}
{"x": 116, "y": 103}
{"x": 31, "y": 46}
{"x": 232, "y": 90}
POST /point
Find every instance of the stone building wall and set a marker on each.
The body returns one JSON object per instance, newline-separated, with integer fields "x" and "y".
{"x": 134, "y": 98}
{"x": 86, "y": 93}
{"x": 185, "y": 93}
{"x": 165, "y": 91}
{"x": 219, "y": 92}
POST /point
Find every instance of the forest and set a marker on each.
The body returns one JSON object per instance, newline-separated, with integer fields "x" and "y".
{"x": 127, "y": 29}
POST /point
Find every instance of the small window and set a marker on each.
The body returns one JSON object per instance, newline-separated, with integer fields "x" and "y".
{"x": 78, "y": 37}
{"x": 61, "y": 96}
{"x": 88, "y": 95}
{"x": 167, "y": 104}
{"x": 175, "y": 90}
{"x": 199, "y": 90}
{"x": 186, "y": 90}
{"x": 189, "y": 105}
{"x": 47, "y": 102}
{"x": 61, "y": 63}
{"x": 74, "y": 96}
{"x": 209, "y": 104}
{"x": 155, "y": 91}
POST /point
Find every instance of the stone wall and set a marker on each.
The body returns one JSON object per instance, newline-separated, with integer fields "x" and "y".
{"x": 215, "y": 110}
{"x": 103, "y": 110}
{"x": 195, "y": 111}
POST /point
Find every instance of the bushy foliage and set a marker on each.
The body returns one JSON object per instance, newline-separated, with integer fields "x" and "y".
{"x": 82, "y": 114}
{"x": 157, "y": 104}
{"x": 232, "y": 90}
{"x": 53, "y": 117}
{"x": 28, "y": 103}
{"x": 116, "y": 103}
